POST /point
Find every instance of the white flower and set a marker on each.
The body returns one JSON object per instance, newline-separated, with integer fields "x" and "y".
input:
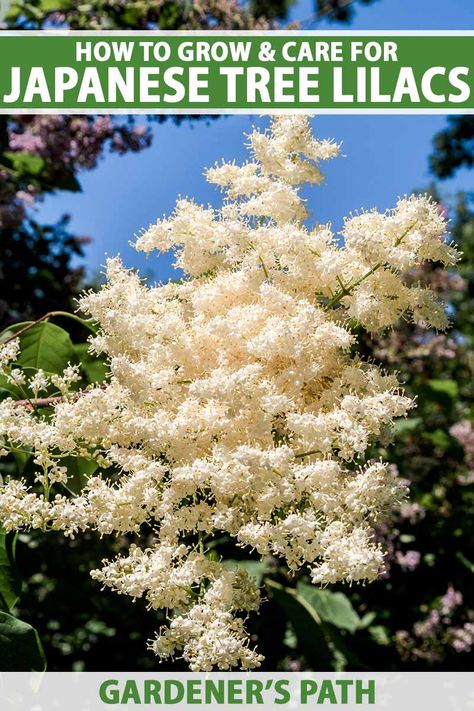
{"x": 8, "y": 353}
{"x": 235, "y": 404}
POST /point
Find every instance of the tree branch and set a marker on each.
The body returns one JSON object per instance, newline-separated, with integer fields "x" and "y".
{"x": 35, "y": 402}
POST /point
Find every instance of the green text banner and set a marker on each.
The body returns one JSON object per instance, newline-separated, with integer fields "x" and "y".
{"x": 232, "y": 72}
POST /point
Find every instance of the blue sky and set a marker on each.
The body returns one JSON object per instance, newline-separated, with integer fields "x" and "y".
{"x": 385, "y": 156}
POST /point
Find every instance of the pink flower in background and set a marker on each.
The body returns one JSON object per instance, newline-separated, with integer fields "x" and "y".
{"x": 462, "y": 637}
{"x": 428, "y": 628}
{"x": 451, "y": 599}
{"x": 463, "y": 431}
{"x": 29, "y": 142}
{"x": 466, "y": 479}
{"x": 409, "y": 560}
{"x": 412, "y": 512}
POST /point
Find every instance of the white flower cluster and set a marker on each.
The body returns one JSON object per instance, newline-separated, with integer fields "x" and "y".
{"x": 236, "y": 404}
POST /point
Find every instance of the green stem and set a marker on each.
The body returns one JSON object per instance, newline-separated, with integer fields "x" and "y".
{"x": 265, "y": 270}
{"x": 15, "y": 449}
{"x": 348, "y": 290}
{"x": 201, "y": 548}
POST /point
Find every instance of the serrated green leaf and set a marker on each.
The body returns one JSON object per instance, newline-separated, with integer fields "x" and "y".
{"x": 46, "y": 346}
{"x": 20, "y": 646}
{"x": 332, "y": 607}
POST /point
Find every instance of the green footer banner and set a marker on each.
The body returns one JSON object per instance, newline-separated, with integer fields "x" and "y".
{"x": 236, "y": 72}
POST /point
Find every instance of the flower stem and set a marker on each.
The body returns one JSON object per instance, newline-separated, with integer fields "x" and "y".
{"x": 349, "y": 289}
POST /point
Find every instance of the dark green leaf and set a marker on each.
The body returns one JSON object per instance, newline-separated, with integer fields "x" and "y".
{"x": 307, "y": 625}
{"x": 94, "y": 367}
{"x": 9, "y": 390}
{"x": 20, "y": 646}
{"x": 21, "y": 459}
{"x": 332, "y": 607}
{"x": 10, "y": 581}
{"x": 79, "y": 470}
{"x": 46, "y": 346}
{"x": 68, "y": 182}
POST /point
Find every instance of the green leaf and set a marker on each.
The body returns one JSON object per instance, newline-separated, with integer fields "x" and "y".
{"x": 95, "y": 367}
{"x": 170, "y": 16}
{"x": 24, "y": 163}
{"x": 132, "y": 16}
{"x": 21, "y": 460}
{"x": 20, "y": 646}
{"x": 367, "y": 620}
{"x": 379, "y": 635}
{"x": 10, "y": 581}
{"x": 446, "y": 387}
{"x": 306, "y": 624}
{"x": 439, "y": 438}
{"x": 68, "y": 182}
{"x": 12, "y": 329}
{"x": 8, "y": 389}
{"x": 46, "y": 346}
{"x": 406, "y": 425}
{"x": 332, "y": 607}
{"x": 79, "y": 470}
